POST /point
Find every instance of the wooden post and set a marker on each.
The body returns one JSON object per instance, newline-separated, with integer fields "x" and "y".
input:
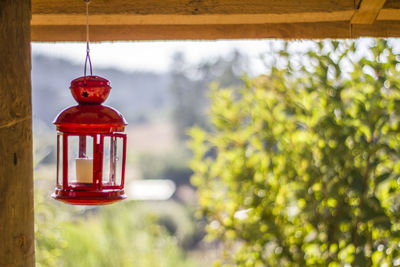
{"x": 16, "y": 159}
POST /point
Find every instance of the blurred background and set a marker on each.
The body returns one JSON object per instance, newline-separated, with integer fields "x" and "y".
{"x": 162, "y": 90}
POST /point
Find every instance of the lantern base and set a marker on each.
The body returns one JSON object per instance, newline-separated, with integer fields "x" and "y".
{"x": 104, "y": 197}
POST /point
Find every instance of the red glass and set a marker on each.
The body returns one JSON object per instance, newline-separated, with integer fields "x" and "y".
{"x": 91, "y": 147}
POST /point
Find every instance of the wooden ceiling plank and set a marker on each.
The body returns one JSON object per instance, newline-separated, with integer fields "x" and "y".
{"x": 320, "y": 30}
{"x": 185, "y": 7}
{"x": 123, "y": 19}
{"x": 100, "y": 33}
{"x": 378, "y": 29}
{"x": 392, "y": 4}
{"x": 389, "y": 14}
{"x": 367, "y": 12}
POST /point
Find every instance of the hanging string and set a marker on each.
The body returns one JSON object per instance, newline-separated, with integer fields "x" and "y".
{"x": 87, "y": 42}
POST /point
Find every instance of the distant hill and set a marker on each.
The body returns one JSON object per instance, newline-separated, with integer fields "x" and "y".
{"x": 140, "y": 96}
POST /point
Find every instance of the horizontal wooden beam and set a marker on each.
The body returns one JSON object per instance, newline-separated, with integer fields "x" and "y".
{"x": 212, "y": 32}
{"x": 392, "y": 4}
{"x": 367, "y": 12}
{"x": 181, "y": 32}
{"x": 184, "y": 12}
{"x": 187, "y": 7}
{"x": 389, "y": 14}
{"x": 378, "y": 29}
{"x": 192, "y": 20}
{"x": 123, "y": 19}
{"x": 63, "y": 20}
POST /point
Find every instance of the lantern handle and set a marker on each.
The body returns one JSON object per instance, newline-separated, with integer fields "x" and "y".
{"x": 86, "y": 61}
{"x": 87, "y": 43}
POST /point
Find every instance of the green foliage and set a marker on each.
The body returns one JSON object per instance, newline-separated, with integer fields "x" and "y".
{"x": 118, "y": 235}
{"x": 302, "y": 166}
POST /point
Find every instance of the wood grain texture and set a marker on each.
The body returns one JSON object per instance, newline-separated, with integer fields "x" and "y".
{"x": 161, "y": 19}
{"x": 188, "y": 32}
{"x": 189, "y": 7}
{"x": 320, "y": 30}
{"x": 378, "y": 29}
{"x": 392, "y": 4}
{"x": 389, "y": 14}
{"x": 122, "y": 20}
{"x": 16, "y": 172}
{"x": 367, "y": 12}
{"x": 184, "y": 12}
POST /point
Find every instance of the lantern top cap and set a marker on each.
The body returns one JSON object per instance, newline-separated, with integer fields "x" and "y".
{"x": 90, "y": 118}
{"x": 89, "y": 90}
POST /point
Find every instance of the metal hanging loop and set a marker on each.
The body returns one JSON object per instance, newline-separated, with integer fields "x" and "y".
{"x": 87, "y": 43}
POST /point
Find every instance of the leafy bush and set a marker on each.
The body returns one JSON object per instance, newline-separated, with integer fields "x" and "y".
{"x": 123, "y": 234}
{"x": 302, "y": 166}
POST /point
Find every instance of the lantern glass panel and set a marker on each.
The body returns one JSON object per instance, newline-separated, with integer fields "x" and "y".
{"x": 112, "y": 160}
{"x": 107, "y": 164}
{"x": 59, "y": 159}
{"x": 80, "y": 159}
{"x": 119, "y": 144}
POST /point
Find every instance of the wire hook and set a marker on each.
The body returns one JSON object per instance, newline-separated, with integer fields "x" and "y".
{"x": 87, "y": 42}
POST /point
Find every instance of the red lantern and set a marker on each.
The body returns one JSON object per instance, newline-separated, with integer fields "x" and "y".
{"x": 91, "y": 147}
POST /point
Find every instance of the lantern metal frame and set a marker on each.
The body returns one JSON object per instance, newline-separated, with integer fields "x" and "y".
{"x": 91, "y": 119}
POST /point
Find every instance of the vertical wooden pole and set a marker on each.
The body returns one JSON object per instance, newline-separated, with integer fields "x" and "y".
{"x": 16, "y": 159}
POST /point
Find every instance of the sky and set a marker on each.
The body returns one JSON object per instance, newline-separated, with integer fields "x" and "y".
{"x": 154, "y": 56}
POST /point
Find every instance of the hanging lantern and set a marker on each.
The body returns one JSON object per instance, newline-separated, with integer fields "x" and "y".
{"x": 91, "y": 147}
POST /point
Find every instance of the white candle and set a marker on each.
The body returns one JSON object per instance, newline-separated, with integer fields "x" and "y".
{"x": 84, "y": 170}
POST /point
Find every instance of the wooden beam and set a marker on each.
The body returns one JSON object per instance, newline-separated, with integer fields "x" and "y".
{"x": 190, "y": 32}
{"x": 389, "y": 14}
{"x": 185, "y": 7}
{"x": 16, "y": 171}
{"x": 390, "y": 11}
{"x": 131, "y": 19}
{"x": 367, "y": 12}
{"x": 183, "y": 12}
{"x": 320, "y": 30}
{"x": 392, "y": 4}
{"x": 378, "y": 29}
{"x": 63, "y": 20}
